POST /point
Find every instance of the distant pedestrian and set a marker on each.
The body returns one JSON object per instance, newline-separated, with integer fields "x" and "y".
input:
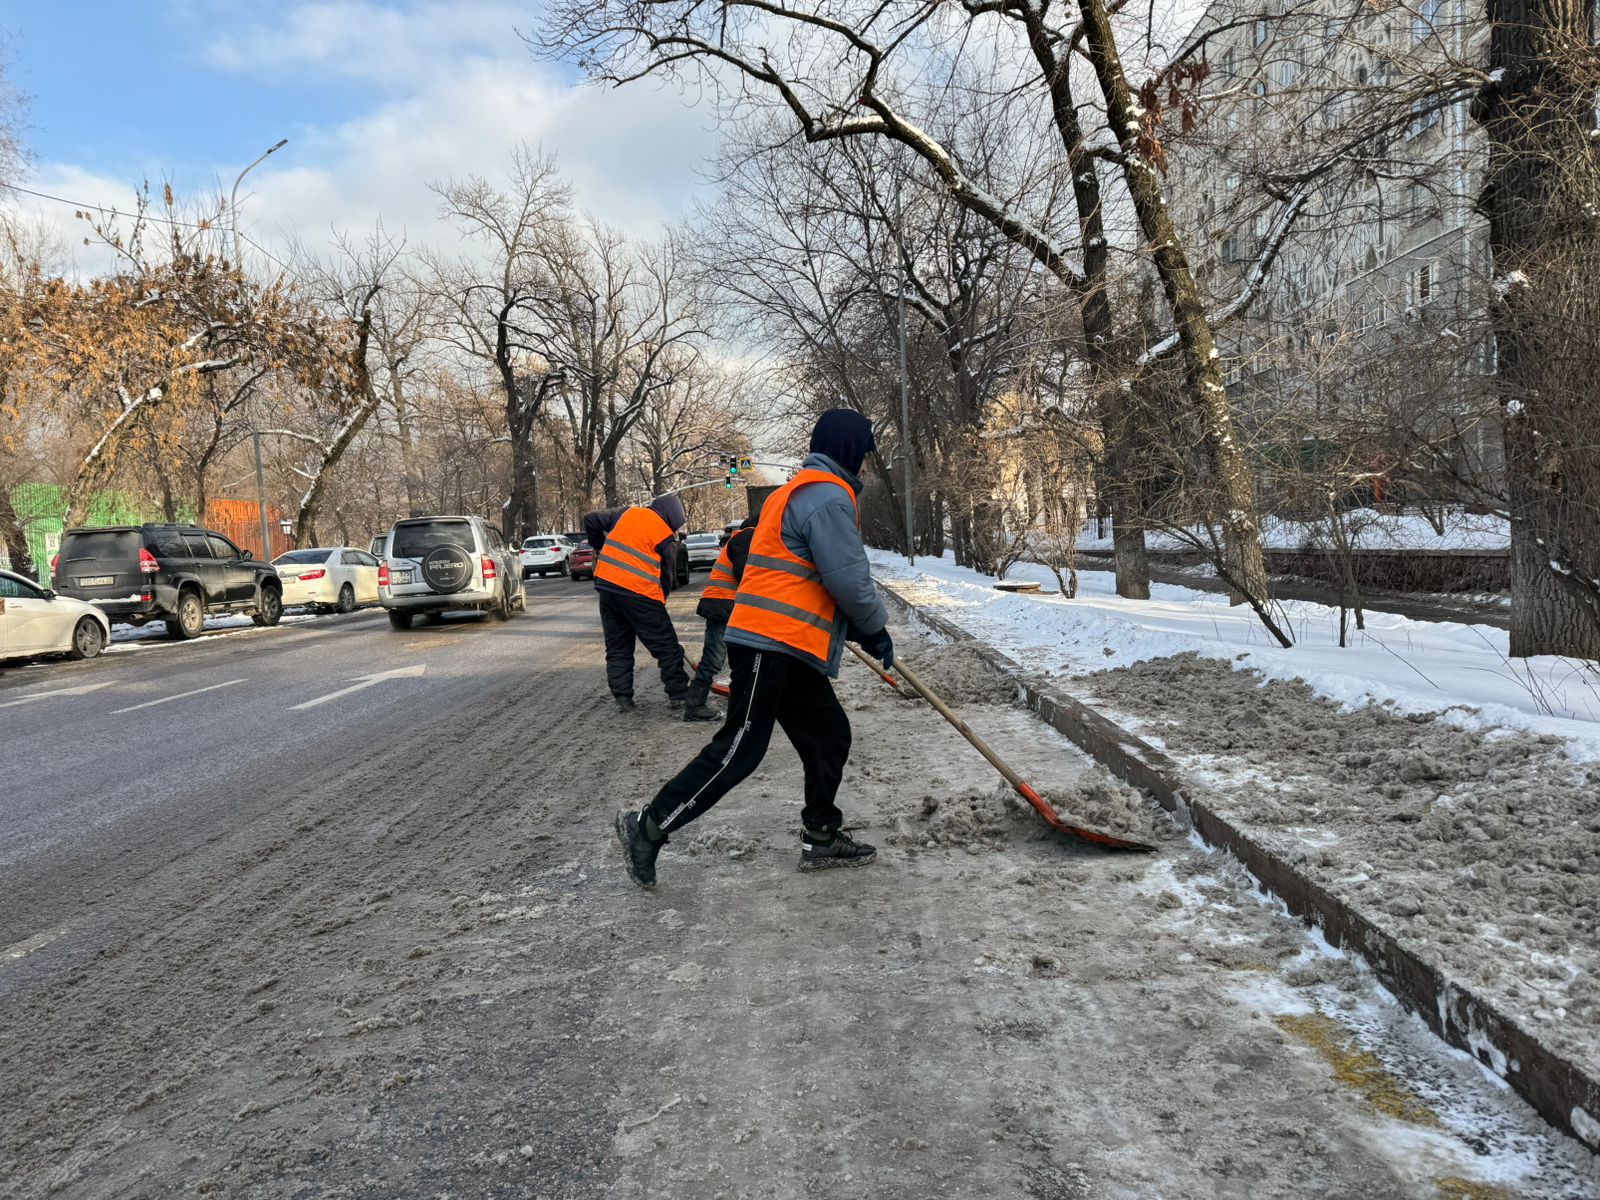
{"x": 636, "y": 566}
{"x": 716, "y": 607}
{"x": 807, "y": 588}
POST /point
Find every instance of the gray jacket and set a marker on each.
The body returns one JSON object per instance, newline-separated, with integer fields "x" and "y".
{"x": 819, "y": 525}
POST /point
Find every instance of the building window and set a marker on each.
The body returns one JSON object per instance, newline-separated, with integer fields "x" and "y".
{"x": 1258, "y": 32}
{"x": 1227, "y": 64}
{"x": 1258, "y": 89}
{"x": 1426, "y": 19}
{"x": 1423, "y": 118}
{"x": 1422, "y": 285}
{"x": 1230, "y": 249}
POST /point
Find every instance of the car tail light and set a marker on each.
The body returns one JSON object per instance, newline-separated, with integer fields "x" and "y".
{"x": 312, "y": 575}
{"x": 489, "y": 573}
{"x": 383, "y": 573}
{"x": 147, "y": 562}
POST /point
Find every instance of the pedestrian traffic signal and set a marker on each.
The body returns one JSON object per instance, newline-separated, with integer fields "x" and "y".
{"x": 745, "y": 464}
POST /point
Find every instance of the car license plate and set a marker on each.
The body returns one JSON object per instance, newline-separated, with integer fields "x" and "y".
{"x": 402, "y": 576}
{"x": 96, "y": 580}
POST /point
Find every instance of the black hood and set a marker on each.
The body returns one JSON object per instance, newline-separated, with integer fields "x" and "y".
{"x": 845, "y": 436}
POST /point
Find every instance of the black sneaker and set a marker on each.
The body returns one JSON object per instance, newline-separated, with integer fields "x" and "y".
{"x": 624, "y": 703}
{"x": 836, "y": 849}
{"x": 638, "y": 851}
{"x": 702, "y": 712}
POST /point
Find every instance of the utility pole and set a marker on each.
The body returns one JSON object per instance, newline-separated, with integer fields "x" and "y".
{"x": 905, "y": 392}
{"x": 255, "y": 426}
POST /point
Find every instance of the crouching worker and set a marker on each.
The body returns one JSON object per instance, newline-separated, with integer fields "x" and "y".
{"x": 635, "y": 567}
{"x": 806, "y": 587}
{"x": 716, "y": 607}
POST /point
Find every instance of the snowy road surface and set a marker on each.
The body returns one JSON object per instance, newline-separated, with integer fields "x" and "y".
{"x": 384, "y": 946}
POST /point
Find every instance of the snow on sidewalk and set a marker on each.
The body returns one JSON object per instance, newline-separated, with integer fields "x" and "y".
{"x": 1372, "y": 530}
{"x": 1411, "y": 666}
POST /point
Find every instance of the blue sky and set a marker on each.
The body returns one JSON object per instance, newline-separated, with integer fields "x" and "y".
{"x": 377, "y": 97}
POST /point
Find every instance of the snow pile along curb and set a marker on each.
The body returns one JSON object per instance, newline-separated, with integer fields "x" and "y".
{"x": 1559, "y": 1089}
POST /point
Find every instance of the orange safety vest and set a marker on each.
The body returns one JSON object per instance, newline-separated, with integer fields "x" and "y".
{"x": 629, "y": 559}
{"x": 781, "y": 595}
{"x": 721, "y": 584}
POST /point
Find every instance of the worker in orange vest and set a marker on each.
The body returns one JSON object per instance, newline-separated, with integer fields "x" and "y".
{"x": 716, "y": 608}
{"x": 807, "y": 588}
{"x": 635, "y": 567}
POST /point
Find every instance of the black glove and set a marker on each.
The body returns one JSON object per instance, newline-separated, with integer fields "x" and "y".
{"x": 880, "y": 645}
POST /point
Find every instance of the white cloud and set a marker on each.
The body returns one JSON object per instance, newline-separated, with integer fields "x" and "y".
{"x": 454, "y": 89}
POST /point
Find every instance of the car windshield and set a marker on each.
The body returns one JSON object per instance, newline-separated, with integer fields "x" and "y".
{"x": 414, "y": 539}
{"x": 295, "y": 557}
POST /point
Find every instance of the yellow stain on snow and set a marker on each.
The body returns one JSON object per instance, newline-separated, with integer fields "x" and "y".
{"x": 1359, "y": 1069}
{"x": 1465, "y": 1189}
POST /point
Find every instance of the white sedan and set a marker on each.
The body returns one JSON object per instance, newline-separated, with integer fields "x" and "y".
{"x": 340, "y": 578}
{"x": 34, "y": 620}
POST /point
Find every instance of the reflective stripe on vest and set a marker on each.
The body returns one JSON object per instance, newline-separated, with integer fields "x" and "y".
{"x": 721, "y": 584}
{"x": 781, "y": 595}
{"x": 629, "y": 558}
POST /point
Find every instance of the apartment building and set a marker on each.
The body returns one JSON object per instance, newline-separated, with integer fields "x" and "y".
{"x": 1376, "y": 303}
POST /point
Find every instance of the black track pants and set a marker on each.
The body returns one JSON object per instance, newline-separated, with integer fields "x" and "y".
{"x": 768, "y": 689}
{"x": 624, "y": 618}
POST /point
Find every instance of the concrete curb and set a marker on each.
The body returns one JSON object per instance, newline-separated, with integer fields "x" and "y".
{"x": 1557, "y": 1088}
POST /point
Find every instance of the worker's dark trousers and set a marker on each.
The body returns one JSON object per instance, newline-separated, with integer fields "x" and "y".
{"x": 768, "y": 689}
{"x": 624, "y": 618}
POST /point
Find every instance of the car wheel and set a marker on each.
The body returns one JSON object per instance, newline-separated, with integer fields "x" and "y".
{"x": 88, "y": 639}
{"x": 502, "y": 605}
{"x": 399, "y": 619}
{"x": 190, "y": 619}
{"x": 269, "y": 611}
{"x": 347, "y": 600}
{"x": 561, "y": 568}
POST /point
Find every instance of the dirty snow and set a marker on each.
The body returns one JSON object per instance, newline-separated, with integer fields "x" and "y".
{"x": 1412, "y": 666}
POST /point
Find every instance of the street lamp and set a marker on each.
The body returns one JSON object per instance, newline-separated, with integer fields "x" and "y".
{"x": 255, "y": 428}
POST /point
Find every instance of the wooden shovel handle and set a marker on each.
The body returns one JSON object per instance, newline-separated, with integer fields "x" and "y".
{"x": 872, "y": 666}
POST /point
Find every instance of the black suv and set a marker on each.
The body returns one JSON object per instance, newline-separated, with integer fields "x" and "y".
{"x": 136, "y": 574}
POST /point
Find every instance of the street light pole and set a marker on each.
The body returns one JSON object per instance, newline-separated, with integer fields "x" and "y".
{"x": 905, "y": 393}
{"x": 255, "y": 426}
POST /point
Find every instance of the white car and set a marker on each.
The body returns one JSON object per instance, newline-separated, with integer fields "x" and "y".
{"x": 704, "y": 549}
{"x": 34, "y": 620}
{"x": 543, "y": 554}
{"x": 340, "y": 578}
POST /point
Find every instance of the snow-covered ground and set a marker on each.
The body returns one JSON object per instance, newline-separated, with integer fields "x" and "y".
{"x": 1371, "y": 529}
{"x": 1463, "y": 671}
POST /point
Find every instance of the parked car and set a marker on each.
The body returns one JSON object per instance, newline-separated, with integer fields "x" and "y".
{"x": 435, "y": 565}
{"x": 179, "y": 574}
{"x": 580, "y": 562}
{"x": 544, "y": 554}
{"x": 339, "y": 578}
{"x": 703, "y": 550}
{"x": 35, "y": 620}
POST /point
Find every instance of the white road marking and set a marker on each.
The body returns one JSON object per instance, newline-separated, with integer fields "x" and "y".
{"x": 366, "y": 681}
{"x": 117, "y": 712}
{"x": 81, "y": 690}
{"x": 38, "y": 941}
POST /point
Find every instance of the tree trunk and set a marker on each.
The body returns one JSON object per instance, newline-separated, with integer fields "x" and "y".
{"x": 1202, "y": 371}
{"x": 15, "y": 537}
{"x": 608, "y": 477}
{"x": 408, "y": 445}
{"x": 1539, "y": 194}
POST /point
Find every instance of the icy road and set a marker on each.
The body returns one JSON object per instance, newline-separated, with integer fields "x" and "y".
{"x": 333, "y": 911}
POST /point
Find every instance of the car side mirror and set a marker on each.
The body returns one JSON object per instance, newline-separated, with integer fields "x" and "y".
{"x": 49, "y": 595}
{"x": 247, "y": 554}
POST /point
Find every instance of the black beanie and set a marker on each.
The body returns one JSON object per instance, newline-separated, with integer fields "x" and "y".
{"x": 845, "y": 436}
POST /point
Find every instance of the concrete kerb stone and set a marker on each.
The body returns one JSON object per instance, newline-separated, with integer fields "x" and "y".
{"x": 1558, "y": 1089}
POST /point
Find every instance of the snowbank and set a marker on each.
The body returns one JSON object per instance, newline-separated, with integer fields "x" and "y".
{"x": 1372, "y": 530}
{"x": 1413, "y": 666}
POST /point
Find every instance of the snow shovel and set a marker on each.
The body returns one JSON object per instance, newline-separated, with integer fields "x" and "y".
{"x": 873, "y": 667}
{"x": 720, "y": 689}
{"x": 1040, "y": 804}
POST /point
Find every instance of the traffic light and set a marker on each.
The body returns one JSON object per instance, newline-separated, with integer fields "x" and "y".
{"x": 729, "y": 483}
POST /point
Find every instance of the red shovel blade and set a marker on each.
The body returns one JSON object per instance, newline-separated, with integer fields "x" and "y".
{"x": 1093, "y": 836}
{"x": 720, "y": 689}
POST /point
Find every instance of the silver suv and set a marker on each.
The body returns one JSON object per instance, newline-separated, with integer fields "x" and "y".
{"x": 434, "y": 565}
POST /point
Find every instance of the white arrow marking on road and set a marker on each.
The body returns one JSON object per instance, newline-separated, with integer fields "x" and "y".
{"x": 81, "y": 690}
{"x": 168, "y": 699}
{"x": 366, "y": 681}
